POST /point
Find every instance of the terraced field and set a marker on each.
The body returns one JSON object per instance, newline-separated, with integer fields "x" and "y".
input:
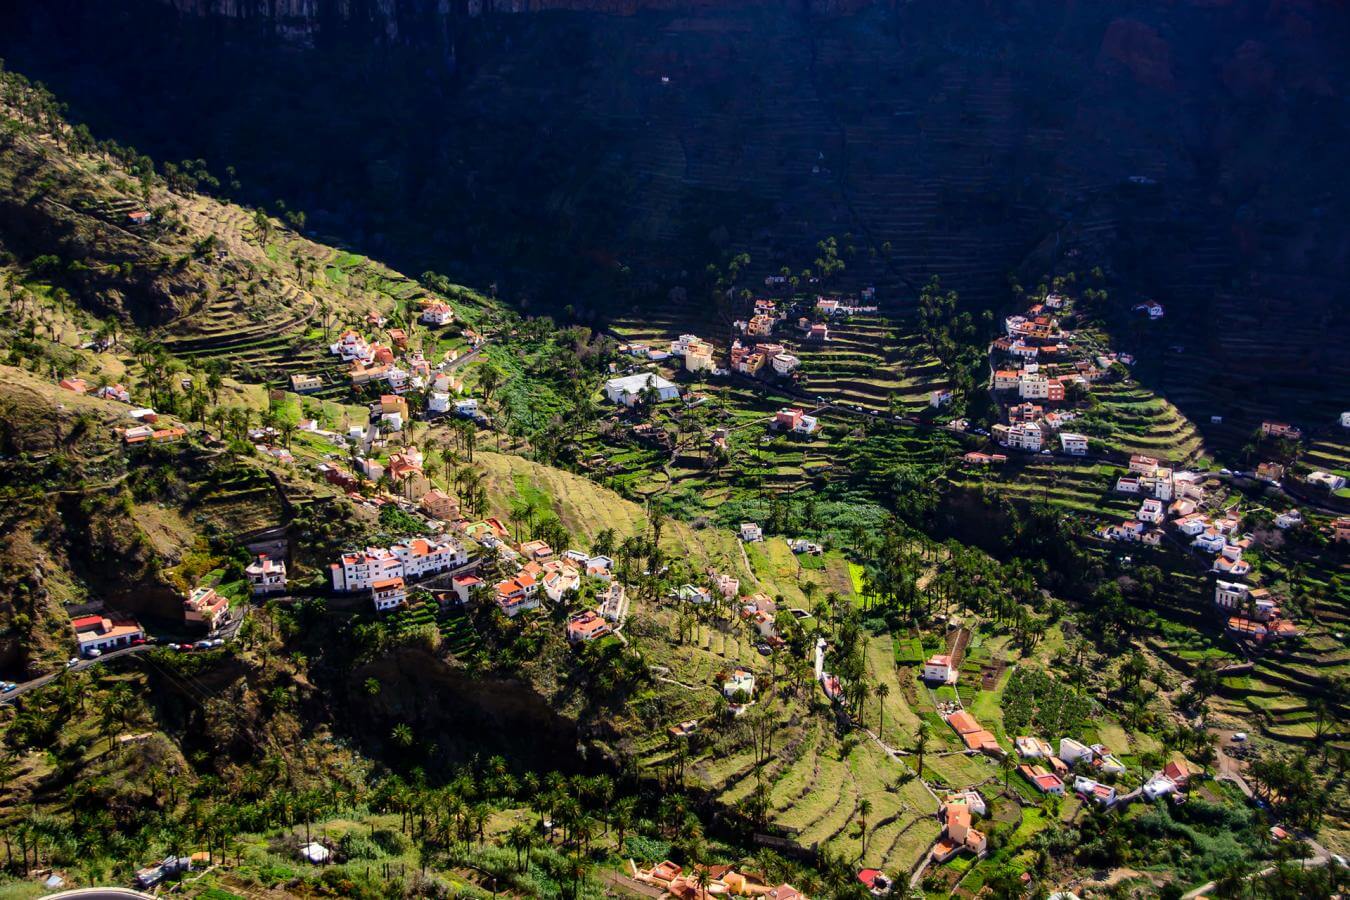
{"x": 872, "y": 361}
{"x": 275, "y": 328}
{"x": 586, "y": 508}
{"x": 1086, "y": 488}
{"x": 1330, "y": 451}
{"x": 875, "y": 363}
{"x": 1145, "y": 423}
{"x": 1254, "y": 371}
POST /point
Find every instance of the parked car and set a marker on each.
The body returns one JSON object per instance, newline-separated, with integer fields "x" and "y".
{"x": 202, "y": 645}
{"x": 72, "y": 662}
{"x": 218, "y": 642}
{"x": 94, "y": 653}
{"x": 138, "y": 642}
{"x": 1239, "y": 737}
{"x": 7, "y": 687}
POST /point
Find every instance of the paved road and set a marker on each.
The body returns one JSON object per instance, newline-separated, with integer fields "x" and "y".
{"x": 43, "y": 680}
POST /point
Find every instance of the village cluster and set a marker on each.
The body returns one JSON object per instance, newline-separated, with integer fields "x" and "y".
{"x": 755, "y": 352}
{"x": 393, "y": 364}
{"x": 1091, "y": 770}
{"x": 1039, "y": 369}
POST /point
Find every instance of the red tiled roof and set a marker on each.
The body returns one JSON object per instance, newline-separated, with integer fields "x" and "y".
{"x": 963, "y": 722}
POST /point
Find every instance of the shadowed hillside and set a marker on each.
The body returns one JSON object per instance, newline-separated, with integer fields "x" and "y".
{"x": 598, "y": 160}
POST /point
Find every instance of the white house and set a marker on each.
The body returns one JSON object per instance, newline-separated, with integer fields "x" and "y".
{"x": 1104, "y": 794}
{"x": 1033, "y": 748}
{"x": 266, "y": 575}
{"x": 1023, "y": 436}
{"x": 1230, "y": 594}
{"x": 1288, "y": 519}
{"x": 1071, "y": 751}
{"x": 786, "y": 364}
{"x": 627, "y": 391}
{"x": 438, "y": 402}
{"x": 1235, "y": 595}
{"x": 750, "y": 532}
{"x": 1151, "y": 511}
{"x": 1191, "y": 525}
{"x": 1327, "y": 480}
{"x": 97, "y": 632}
{"x": 388, "y": 593}
{"x": 1226, "y": 565}
{"x": 421, "y": 555}
{"x": 357, "y": 571}
{"x": 1033, "y": 387}
{"x": 939, "y": 669}
{"x": 1073, "y": 444}
{"x": 739, "y": 682}
{"x": 351, "y": 346}
{"x": 437, "y": 314}
{"x": 1159, "y": 786}
{"x": 1106, "y": 762}
{"x": 1210, "y": 541}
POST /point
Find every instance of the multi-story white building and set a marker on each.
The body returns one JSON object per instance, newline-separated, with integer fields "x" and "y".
{"x": 1232, "y": 595}
{"x": 359, "y": 570}
{"x": 266, "y": 575}
{"x": 421, "y": 556}
{"x": 785, "y": 363}
{"x": 1023, "y": 436}
{"x": 351, "y": 346}
{"x": 1033, "y": 387}
{"x": 437, "y": 314}
{"x": 1073, "y": 444}
{"x": 388, "y": 593}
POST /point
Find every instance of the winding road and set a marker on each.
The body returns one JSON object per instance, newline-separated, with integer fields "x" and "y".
{"x": 44, "y": 680}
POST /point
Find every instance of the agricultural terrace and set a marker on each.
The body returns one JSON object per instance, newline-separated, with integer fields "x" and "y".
{"x": 585, "y": 509}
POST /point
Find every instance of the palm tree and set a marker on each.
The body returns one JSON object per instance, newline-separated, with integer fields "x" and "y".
{"x": 921, "y": 744}
{"x": 402, "y": 735}
{"x": 519, "y": 839}
{"x": 883, "y": 691}
{"x": 703, "y": 878}
{"x": 864, "y": 809}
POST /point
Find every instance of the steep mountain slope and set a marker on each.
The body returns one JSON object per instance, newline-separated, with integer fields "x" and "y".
{"x": 574, "y": 157}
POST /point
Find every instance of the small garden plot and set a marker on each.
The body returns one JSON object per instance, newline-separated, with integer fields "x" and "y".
{"x": 1033, "y": 702}
{"x": 900, "y": 721}
{"x": 959, "y": 770}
